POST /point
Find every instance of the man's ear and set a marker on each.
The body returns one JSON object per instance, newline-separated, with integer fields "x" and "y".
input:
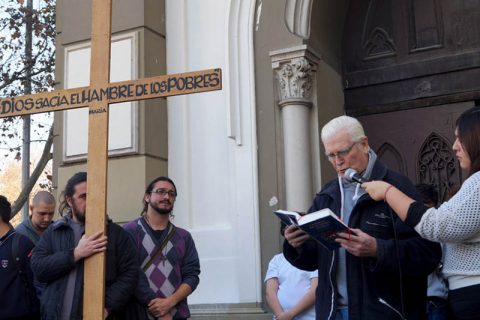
{"x": 69, "y": 201}
{"x": 146, "y": 198}
{"x": 364, "y": 143}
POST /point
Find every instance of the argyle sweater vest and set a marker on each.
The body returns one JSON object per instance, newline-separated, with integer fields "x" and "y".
{"x": 164, "y": 273}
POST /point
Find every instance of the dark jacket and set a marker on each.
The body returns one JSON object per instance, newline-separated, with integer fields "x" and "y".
{"x": 17, "y": 294}
{"x": 53, "y": 260}
{"x": 27, "y": 229}
{"x": 402, "y": 265}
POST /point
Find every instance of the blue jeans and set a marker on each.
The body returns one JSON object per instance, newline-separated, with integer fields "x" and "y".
{"x": 437, "y": 308}
{"x": 342, "y": 314}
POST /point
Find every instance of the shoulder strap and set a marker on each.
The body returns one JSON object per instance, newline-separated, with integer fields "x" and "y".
{"x": 19, "y": 262}
{"x": 160, "y": 248}
{"x": 33, "y": 235}
{"x": 15, "y": 246}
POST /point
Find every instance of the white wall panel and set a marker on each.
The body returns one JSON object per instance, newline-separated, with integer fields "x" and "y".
{"x": 122, "y": 122}
{"x": 212, "y": 146}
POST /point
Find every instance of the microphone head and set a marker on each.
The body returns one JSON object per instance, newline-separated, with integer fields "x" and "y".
{"x": 352, "y": 175}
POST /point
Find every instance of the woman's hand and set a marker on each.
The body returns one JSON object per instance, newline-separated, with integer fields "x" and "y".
{"x": 376, "y": 189}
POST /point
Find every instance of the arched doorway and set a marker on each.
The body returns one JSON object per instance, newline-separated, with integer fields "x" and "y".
{"x": 409, "y": 69}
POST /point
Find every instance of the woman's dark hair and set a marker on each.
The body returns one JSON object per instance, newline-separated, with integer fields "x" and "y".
{"x": 428, "y": 192}
{"x": 150, "y": 188}
{"x": 5, "y": 209}
{"x": 468, "y": 129}
{"x": 77, "y": 178}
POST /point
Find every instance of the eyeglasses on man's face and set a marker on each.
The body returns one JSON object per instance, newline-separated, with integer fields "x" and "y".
{"x": 340, "y": 154}
{"x": 164, "y": 192}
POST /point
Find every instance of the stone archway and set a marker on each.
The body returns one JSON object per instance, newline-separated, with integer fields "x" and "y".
{"x": 409, "y": 69}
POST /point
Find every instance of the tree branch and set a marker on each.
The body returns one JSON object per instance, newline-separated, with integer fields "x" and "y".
{"x": 46, "y": 156}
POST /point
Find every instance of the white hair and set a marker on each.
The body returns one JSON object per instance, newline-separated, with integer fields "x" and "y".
{"x": 352, "y": 125}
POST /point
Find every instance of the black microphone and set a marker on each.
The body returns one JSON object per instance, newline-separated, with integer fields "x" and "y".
{"x": 352, "y": 175}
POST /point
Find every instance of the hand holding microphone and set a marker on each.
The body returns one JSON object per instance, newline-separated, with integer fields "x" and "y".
{"x": 376, "y": 189}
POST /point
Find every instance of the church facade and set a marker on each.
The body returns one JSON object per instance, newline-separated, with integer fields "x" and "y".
{"x": 289, "y": 66}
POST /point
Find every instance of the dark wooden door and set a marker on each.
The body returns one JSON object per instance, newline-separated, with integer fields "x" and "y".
{"x": 409, "y": 69}
{"x": 410, "y": 54}
{"x": 418, "y": 143}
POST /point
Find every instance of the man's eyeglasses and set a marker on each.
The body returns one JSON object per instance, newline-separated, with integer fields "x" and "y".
{"x": 340, "y": 154}
{"x": 163, "y": 193}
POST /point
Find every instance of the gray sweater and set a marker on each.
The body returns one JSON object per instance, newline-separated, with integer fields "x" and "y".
{"x": 27, "y": 229}
{"x": 457, "y": 224}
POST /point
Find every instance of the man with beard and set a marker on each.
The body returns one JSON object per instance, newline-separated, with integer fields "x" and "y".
{"x": 42, "y": 210}
{"x": 58, "y": 259}
{"x": 166, "y": 253}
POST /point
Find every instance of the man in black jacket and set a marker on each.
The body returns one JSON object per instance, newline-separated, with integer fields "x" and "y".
{"x": 58, "y": 259}
{"x": 17, "y": 294}
{"x": 380, "y": 271}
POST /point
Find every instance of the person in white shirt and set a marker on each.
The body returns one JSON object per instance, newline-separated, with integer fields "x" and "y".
{"x": 290, "y": 292}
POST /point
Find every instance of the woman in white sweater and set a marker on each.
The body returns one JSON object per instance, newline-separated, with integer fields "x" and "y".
{"x": 456, "y": 223}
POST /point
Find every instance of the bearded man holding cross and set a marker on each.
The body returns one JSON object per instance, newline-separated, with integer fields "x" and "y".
{"x": 58, "y": 259}
{"x": 97, "y": 97}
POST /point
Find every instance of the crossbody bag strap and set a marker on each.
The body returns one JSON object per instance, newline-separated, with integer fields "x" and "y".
{"x": 160, "y": 248}
{"x": 33, "y": 234}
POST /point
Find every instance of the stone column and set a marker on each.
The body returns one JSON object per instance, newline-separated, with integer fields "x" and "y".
{"x": 294, "y": 72}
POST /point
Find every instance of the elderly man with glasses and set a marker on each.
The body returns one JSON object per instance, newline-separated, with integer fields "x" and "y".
{"x": 166, "y": 253}
{"x": 381, "y": 269}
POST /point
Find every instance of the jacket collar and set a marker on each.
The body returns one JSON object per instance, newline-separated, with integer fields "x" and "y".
{"x": 379, "y": 171}
{"x": 62, "y": 222}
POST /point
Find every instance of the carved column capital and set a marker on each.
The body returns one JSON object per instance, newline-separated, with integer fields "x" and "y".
{"x": 294, "y": 72}
{"x": 295, "y": 79}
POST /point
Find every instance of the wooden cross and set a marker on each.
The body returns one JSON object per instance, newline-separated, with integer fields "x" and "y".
{"x": 97, "y": 97}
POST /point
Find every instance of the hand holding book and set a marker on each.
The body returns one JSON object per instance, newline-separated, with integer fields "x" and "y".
{"x": 322, "y": 225}
{"x": 296, "y": 237}
{"x": 358, "y": 243}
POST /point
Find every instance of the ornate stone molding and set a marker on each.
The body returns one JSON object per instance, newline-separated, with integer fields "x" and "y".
{"x": 297, "y": 17}
{"x": 437, "y": 165}
{"x": 239, "y": 68}
{"x": 295, "y": 79}
{"x": 294, "y": 71}
{"x": 295, "y": 75}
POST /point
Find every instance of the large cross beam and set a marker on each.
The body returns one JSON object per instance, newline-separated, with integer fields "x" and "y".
{"x": 97, "y": 97}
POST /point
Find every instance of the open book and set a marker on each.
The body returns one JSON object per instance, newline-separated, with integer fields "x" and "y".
{"x": 322, "y": 225}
